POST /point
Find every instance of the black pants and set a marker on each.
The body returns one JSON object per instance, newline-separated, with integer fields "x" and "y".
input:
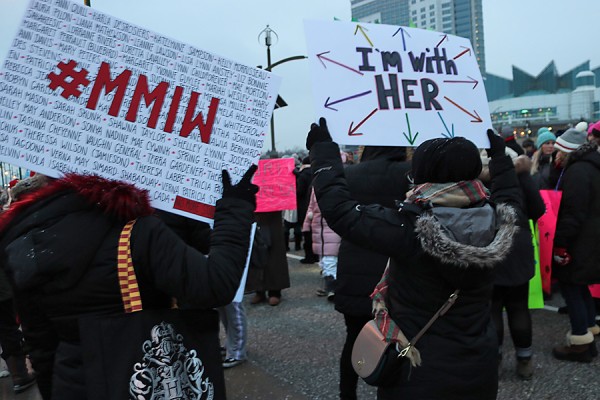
{"x": 348, "y": 378}
{"x": 308, "y": 251}
{"x": 515, "y": 300}
{"x": 11, "y": 338}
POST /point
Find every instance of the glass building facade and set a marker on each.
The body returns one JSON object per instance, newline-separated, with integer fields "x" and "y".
{"x": 457, "y": 17}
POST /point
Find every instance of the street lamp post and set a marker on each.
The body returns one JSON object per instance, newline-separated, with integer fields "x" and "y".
{"x": 269, "y": 34}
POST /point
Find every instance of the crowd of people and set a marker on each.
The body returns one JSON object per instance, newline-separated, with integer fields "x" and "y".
{"x": 443, "y": 218}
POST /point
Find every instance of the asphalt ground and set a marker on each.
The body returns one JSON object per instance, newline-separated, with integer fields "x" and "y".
{"x": 294, "y": 348}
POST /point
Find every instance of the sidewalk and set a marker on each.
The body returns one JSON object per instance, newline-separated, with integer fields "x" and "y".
{"x": 294, "y": 349}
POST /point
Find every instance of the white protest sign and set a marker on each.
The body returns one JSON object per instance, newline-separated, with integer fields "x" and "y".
{"x": 84, "y": 92}
{"x": 390, "y": 85}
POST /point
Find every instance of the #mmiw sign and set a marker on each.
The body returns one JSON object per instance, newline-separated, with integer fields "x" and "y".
{"x": 84, "y": 92}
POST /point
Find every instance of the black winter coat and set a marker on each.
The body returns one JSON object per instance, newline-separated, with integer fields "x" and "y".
{"x": 578, "y": 224}
{"x": 303, "y": 190}
{"x": 380, "y": 180}
{"x": 460, "y": 350}
{"x": 59, "y": 248}
{"x": 519, "y": 267}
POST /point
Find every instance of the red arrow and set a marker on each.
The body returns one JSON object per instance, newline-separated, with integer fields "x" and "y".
{"x": 468, "y": 50}
{"x": 471, "y": 81}
{"x": 444, "y": 38}
{"x": 321, "y": 57}
{"x": 476, "y": 117}
{"x": 351, "y": 131}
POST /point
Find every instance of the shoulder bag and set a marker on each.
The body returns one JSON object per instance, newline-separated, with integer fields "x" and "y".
{"x": 150, "y": 354}
{"x": 386, "y": 359}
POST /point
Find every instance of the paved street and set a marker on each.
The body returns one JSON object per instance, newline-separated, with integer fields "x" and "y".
{"x": 294, "y": 349}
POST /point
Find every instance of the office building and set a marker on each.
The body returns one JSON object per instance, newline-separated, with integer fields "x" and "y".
{"x": 457, "y": 17}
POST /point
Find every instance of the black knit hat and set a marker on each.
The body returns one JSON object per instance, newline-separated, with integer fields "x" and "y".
{"x": 446, "y": 160}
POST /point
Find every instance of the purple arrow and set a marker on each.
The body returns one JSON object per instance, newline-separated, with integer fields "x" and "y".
{"x": 402, "y": 31}
{"x": 328, "y": 104}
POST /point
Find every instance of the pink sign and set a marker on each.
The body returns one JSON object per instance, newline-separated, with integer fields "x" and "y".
{"x": 277, "y": 183}
{"x": 595, "y": 290}
{"x": 547, "y": 229}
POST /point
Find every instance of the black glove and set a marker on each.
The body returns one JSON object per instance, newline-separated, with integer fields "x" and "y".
{"x": 244, "y": 189}
{"x": 497, "y": 145}
{"x": 318, "y": 133}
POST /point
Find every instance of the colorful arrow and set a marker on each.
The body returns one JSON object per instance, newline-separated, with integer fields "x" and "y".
{"x": 476, "y": 117}
{"x": 362, "y": 30}
{"x": 328, "y": 104}
{"x": 444, "y": 38}
{"x": 471, "y": 81}
{"x": 321, "y": 57}
{"x": 468, "y": 50}
{"x": 411, "y": 139}
{"x": 352, "y": 131}
{"x": 403, "y": 32}
{"x": 450, "y": 134}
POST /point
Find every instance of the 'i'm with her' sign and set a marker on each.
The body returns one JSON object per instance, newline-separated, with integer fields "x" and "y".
{"x": 389, "y": 85}
{"x": 84, "y": 92}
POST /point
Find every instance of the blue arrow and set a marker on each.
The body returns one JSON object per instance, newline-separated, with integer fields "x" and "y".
{"x": 450, "y": 134}
{"x": 402, "y": 31}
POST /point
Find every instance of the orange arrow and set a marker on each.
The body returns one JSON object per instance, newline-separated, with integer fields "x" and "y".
{"x": 468, "y": 50}
{"x": 351, "y": 131}
{"x": 476, "y": 117}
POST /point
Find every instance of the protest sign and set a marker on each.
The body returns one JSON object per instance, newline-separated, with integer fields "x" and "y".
{"x": 277, "y": 184}
{"x": 546, "y": 231}
{"x": 84, "y": 92}
{"x": 389, "y": 85}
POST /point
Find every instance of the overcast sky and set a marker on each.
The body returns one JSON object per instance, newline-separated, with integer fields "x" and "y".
{"x": 525, "y": 33}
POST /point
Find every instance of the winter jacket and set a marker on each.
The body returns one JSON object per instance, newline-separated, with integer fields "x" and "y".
{"x": 325, "y": 242}
{"x": 380, "y": 179}
{"x": 303, "y": 190}
{"x": 519, "y": 266}
{"x": 59, "y": 248}
{"x": 431, "y": 255}
{"x": 578, "y": 224}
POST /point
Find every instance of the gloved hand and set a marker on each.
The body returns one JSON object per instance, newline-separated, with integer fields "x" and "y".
{"x": 318, "y": 133}
{"x": 561, "y": 257}
{"x": 497, "y": 146}
{"x": 244, "y": 189}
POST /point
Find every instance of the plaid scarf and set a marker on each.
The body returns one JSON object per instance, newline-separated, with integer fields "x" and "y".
{"x": 456, "y": 194}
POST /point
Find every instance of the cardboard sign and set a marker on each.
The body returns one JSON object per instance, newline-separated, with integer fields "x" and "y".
{"x": 277, "y": 184}
{"x": 546, "y": 231}
{"x": 389, "y": 85}
{"x": 84, "y": 92}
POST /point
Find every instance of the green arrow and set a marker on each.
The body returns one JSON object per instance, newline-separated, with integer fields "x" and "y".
{"x": 411, "y": 139}
{"x": 450, "y": 134}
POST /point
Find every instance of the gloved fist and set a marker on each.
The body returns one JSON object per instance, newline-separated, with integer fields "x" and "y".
{"x": 318, "y": 133}
{"x": 497, "y": 146}
{"x": 561, "y": 257}
{"x": 244, "y": 189}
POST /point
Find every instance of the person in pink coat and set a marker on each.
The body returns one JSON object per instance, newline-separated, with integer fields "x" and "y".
{"x": 325, "y": 243}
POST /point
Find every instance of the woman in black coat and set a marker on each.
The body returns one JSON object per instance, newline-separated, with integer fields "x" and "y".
{"x": 379, "y": 178}
{"x": 59, "y": 248}
{"x": 454, "y": 243}
{"x": 512, "y": 276}
{"x": 576, "y": 256}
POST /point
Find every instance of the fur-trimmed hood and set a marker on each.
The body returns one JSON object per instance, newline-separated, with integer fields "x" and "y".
{"x": 118, "y": 199}
{"x": 463, "y": 237}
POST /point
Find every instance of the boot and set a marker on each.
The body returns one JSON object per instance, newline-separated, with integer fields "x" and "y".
{"x": 22, "y": 379}
{"x": 330, "y": 287}
{"x": 298, "y": 242}
{"x": 593, "y": 348}
{"x": 577, "y": 348}
{"x": 524, "y": 368}
{"x": 322, "y": 291}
